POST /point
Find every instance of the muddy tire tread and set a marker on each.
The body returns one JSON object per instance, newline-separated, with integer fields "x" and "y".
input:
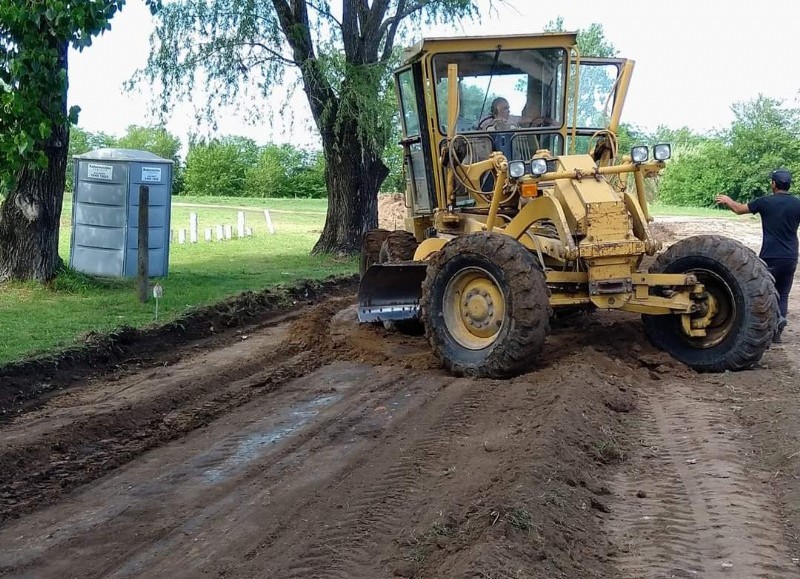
{"x": 371, "y": 249}
{"x": 398, "y": 246}
{"x": 526, "y": 293}
{"x": 758, "y": 289}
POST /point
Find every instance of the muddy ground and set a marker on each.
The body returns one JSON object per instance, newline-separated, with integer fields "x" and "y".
{"x": 273, "y": 436}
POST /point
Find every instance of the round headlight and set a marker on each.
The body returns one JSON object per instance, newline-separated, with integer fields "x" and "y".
{"x": 516, "y": 169}
{"x": 639, "y": 154}
{"x": 662, "y": 152}
{"x": 538, "y": 166}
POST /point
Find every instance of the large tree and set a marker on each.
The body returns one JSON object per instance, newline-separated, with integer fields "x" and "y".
{"x": 226, "y": 47}
{"x": 35, "y": 36}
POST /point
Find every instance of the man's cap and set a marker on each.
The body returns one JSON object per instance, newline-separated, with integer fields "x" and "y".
{"x": 781, "y": 175}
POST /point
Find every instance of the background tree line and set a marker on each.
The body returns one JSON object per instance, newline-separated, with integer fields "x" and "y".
{"x": 763, "y": 136}
{"x": 737, "y": 160}
{"x": 231, "y": 166}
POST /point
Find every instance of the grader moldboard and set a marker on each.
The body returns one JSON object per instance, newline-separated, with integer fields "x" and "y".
{"x": 513, "y": 219}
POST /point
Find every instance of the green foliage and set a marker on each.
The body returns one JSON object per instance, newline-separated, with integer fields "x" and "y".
{"x": 80, "y": 142}
{"x": 339, "y": 53}
{"x": 159, "y": 141}
{"x": 270, "y": 176}
{"x": 34, "y": 36}
{"x": 285, "y": 171}
{"x": 308, "y": 180}
{"x": 591, "y": 41}
{"x": 220, "y": 166}
{"x": 737, "y": 161}
{"x": 156, "y": 140}
{"x": 695, "y": 174}
{"x": 237, "y": 167}
{"x": 393, "y": 158}
{"x": 596, "y": 82}
{"x": 248, "y": 46}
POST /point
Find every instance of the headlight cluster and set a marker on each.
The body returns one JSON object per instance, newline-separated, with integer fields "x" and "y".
{"x": 661, "y": 152}
{"x": 517, "y": 169}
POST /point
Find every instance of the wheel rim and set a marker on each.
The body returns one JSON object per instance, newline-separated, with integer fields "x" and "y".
{"x": 474, "y": 308}
{"x": 720, "y": 312}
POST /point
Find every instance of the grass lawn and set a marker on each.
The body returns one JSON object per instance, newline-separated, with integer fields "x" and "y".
{"x": 36, "y": 319}
{"x": 658, "y": 209}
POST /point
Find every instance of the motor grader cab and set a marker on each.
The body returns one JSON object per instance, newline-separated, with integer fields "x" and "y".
{"x": 520, "y": 205}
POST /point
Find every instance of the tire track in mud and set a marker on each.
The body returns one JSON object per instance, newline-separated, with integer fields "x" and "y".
{"x": 232, "y": 480}
{"x": 96, "y": 444}
{"x": 687, "y": 505}
{"x": 373, "y": 515}
{"x": 29, "y": 384}
{"x": 73, "y": 441}
{"x": 303, "y": 449}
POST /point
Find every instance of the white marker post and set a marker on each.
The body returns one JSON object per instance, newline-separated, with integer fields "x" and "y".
{"x": 270, "y": 228}
{"x": 158, "y": 291}
{"x": 240, "y": 227}
{"x": 192, "y": 227}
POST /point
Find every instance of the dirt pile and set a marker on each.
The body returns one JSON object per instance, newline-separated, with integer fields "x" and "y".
{"x": 534, "y": 498}
{"x": 391, "y": 211}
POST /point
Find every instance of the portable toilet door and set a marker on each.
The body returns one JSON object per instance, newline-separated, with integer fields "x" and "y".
{"x": 104, "y": 239}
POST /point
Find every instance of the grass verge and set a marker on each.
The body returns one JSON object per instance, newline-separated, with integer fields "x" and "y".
{"x": 659, "y": 209}
{"x": 36, "y": 319}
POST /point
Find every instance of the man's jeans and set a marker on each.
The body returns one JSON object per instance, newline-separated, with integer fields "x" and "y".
{"x": 782, "y": 269}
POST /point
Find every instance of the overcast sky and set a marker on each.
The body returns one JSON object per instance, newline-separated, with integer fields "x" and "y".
{"x": 694, "y": 59}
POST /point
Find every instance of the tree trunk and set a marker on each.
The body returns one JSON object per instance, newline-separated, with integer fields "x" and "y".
{"x": 353, "y": 174}
{"x": 30, "y": 215}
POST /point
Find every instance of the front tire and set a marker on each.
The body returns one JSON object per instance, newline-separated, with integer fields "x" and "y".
{"x": 745, "y": 305}
{"x": 485, "y": 306}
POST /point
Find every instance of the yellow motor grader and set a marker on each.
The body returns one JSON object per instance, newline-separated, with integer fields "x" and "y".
{"x": 514, "y": 217}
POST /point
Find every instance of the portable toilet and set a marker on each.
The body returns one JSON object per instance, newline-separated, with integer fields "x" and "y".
{"x": 105, "y": 212}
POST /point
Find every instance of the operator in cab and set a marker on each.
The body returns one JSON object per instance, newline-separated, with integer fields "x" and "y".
{"x": 501, "y": 118}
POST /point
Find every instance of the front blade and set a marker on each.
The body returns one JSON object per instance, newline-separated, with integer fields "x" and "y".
{"x": 391, "y": 291}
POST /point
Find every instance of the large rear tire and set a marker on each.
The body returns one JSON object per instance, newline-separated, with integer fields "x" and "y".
{"x": 485, "y": 306}
{"x": 745, "y": 310}
{"x": 398, "y": 246}
{"x": 371, "y": 249}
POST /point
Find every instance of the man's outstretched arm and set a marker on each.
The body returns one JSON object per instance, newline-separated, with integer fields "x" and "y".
{"x": 735, "y": 206}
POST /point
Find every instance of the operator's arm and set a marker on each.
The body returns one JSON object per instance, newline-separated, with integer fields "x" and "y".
{"x": 735, "y": 206}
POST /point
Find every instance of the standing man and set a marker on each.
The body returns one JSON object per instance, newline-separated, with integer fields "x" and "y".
{"x": 780, "y": 218}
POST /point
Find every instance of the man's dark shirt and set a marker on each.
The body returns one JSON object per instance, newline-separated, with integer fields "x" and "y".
{"x": 780, "y": 217}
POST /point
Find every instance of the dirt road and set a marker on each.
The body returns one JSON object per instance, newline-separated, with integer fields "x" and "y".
{"x": 276, "y": 437}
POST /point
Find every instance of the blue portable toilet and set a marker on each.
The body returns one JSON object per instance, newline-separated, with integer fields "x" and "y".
{"x": 105, "y": 212}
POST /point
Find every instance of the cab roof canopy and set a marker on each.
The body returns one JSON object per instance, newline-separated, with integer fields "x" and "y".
{"x": 566, "y": 40}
